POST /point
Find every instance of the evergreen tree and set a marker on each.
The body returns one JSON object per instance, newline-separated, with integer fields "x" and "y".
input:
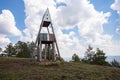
{"x": 99, "y": 57}
{"x": 88, "y": 55}
{"x": 93, "y": 57}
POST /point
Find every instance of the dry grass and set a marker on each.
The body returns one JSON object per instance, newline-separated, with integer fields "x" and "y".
{"x": 27, "y": 69}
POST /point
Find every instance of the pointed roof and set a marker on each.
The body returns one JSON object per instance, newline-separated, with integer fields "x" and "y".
{"x": 46, "y": 16}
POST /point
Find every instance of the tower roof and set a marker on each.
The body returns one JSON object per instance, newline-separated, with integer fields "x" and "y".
{"x": 46, "y": 18}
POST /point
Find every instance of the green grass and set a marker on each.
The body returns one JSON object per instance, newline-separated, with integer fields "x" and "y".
{"x": 27, "y": 69}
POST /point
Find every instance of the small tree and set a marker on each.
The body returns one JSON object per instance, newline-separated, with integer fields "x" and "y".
{"x": 22, "y": 49}
{"x": 88, "y": 55}
{"x": 115, "y": 63}
{"x": 31, "y": 47}
{"x": 93, "y": 57}
{"x": 99, "y": 57}
{"x": 10, "y": 49}
{"x": 75, "y": 58}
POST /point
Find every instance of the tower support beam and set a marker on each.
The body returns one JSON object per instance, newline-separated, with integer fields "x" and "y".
{"x": 48, "y": 50}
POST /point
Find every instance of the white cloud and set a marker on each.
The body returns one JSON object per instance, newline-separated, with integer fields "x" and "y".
{"x": 7, "y": 27}
{"x": 115, "y": 44}
{"x": 118, "y": 30}
{"x": 78, "y": 13}
{"x": 4, "y": 41}
{"x": 89, "y": 21}
{"x": 115, "y": 6}
{"x": 7, "y": 24}
{"x": 34, "y": 11}
{"x": 69, "y": 44}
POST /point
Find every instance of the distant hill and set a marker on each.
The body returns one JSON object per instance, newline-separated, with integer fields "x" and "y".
{"x": 27, "y": 69}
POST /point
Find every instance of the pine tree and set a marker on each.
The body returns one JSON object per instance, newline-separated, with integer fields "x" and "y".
{"x": 88, "y": 55}
{"x": 99, "y": 58}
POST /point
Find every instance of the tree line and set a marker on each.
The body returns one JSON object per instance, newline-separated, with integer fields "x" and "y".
{"x": 26, "y": 50}
{"x": 20, "y": 49}
{"x": 95, "y": 57}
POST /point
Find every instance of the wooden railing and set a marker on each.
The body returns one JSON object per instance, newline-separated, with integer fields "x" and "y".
{"x": 47, "y": 37}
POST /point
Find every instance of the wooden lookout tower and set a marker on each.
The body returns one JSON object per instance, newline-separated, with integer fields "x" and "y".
{"x": 47, "y": 48}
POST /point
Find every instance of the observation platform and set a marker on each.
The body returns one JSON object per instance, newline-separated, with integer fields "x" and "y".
{"x": 46, "y": 38}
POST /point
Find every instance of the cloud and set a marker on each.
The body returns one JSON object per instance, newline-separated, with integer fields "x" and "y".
{"x": 89, "y": 22}
{"x": 34, "y": 11}
{"x": 118, "y": 30}
{"x": 115, "y": 6}
{"x": 4, "y": 41}
{"x": 7, "y": 24}
{"x": 76, "y": 13}
{"x": 7, "y": 27}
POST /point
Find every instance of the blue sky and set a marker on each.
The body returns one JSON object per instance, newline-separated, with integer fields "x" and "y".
{"x": 17, "y": 8}
{"x": 23, "y": 11}
{"x": 104, "y": 5}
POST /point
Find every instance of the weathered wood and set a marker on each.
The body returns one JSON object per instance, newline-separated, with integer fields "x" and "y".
{"x": 40, "y": 51}
{"x": 38, "y": 55}
{"x": 53, "y": 47}
{"x": 46, "y": 24}
{"x": 48, "y": 39}
{"x": 56, "y": 42}
{"x": 45, "y": 51}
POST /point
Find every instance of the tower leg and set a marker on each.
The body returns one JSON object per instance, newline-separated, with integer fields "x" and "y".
{"x": 45, "y": 51}
{"x": 58, "y": 50}
{"x": 56, "y": 42}
{"x": 53, "y": 48}
{"x": 40, "y": 52}
{"x": 49, "y": 56}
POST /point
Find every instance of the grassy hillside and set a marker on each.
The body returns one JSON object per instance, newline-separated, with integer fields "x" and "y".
{"x": 26, "y": 69}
